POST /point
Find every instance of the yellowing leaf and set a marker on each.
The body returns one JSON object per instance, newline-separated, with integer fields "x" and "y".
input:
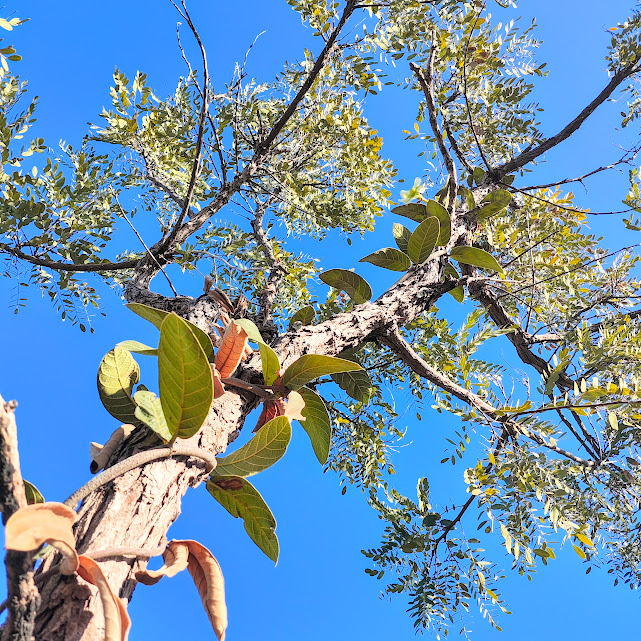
{"x": 117, "y": 621}
{"x": 34, "y": 525}
{"x": 117, "y": 375}
{"x": 585, "y": 540}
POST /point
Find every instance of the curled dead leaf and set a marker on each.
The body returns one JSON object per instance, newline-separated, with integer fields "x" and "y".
{"x": 117, "y": 621}
{"x": 100, "y": 453}
{"x": 231, "y": 349}
{"x": 175, "y": 558}
{"x": 205, "y": 572}
{"x": 295, "y": 405}
{"x": 208, "y": 577}
{"x": 219, "y": 388}
{"x": 34, "y": 525}
{"x": 270, "y": 410}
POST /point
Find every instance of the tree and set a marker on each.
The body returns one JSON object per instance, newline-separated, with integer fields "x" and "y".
{"x": 300, "y": 156}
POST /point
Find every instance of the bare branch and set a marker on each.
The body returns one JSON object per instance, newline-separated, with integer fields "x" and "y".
{"x": 427, "y": 84}
{"x": 70, "y": 267}
{"x": 531, "y": 154}
{"x": 23, "y": 599}
{"x": 167, "y": 242}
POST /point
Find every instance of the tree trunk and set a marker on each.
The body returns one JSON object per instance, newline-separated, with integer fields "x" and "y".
{"x": 137, "y": 509}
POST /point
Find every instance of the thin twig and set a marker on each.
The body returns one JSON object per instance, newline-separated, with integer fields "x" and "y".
{"x": 531, "y": 154}
{"x": 427, "y": 84}
{"x": 124, "y": 215}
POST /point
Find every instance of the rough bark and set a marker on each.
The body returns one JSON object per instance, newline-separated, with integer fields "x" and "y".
{"x": 23, "y": 599}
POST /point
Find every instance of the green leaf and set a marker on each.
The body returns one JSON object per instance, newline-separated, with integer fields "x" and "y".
{"x": 389, "y": 258}
{"x": 32, "y": 493}
{"x": 413, "y": 211}
{"x": 250, "y": 327}
{"x": 458, "y": 293}
{"x": 357, "y": 384}
{"x": 117, "y": 375}
{"x": 270, "y": 363}
{"x": 317, "y": 423}
{"x": 268, "y": 357}
{"x": 423, "y": 240}
{"x": 493, "y": 203}
{"x": 184, "y": 378}
{"x": 477, "y": 257}
{"x": 305, "y": 315}
{"x": 478, "y": 175}
{"x": 149, "y": 412}
{"x": 241, "y": 499}
{"x": 355, "y": 286}
{"x": 266, "y": 447}
{"x": 466, "y": 194}
{"x": 401, "y": 236}
{"x": 311, "y": 366}
{"x": 138, "y": 348}
{"x": 437, "y": 210}
{"x": 157, "y": 316}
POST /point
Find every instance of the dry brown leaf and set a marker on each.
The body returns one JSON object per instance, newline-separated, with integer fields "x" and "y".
{"x": 295, "y": 405}
{"x": 231, "y": 349}
{"x": 270, "y": 410}
{"x": 32, "y": 526}
{"x": 175, "y": 558}
{"x": 209, "y": 281}
{"x": 100, "y": 453}
{"x": 221, "y": 298}
{"x": 117, "y": 621}
{"x": 205, "y": 572}
{"x": 208, "y": 577}
{"x": 219, "y": 388}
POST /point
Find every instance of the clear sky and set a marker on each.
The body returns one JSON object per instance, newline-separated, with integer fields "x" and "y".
{"x": 319, "y": 588}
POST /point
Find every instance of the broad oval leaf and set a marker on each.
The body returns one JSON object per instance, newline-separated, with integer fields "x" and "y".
{"x": 478, "y": 175}
{"x": 184, "y": 378}
{"x": 434, "y": 208}
{"x": 317, "y": 423}
{"x": 263, "y": 450}
{"x": 477, "y": 257}
{"x": 241, "y": 499}
{"x": 117, "y": 375}
{"x": 413, "y": 211}
{"x": 268, "y": 357}
{"x": 355, "y": 286}
{"x": 305, "y": 315}
{"x": 149, "y": 412}
{"x": 467, "y": 197}
{"x": 493, "y": 203}
{"x": 458, "y": 293}
{"x": 389, "y": 258}
{"x": 157, "y": 316}
{"x": 231, "y": 350}
{"x": 138, "y": 348}
{"x": 357, "y": 384}
{"x": 401, "y": 236}
{"x": 253, "y": 333}
{"x": 312, "y": 366}
{"x": 423, "y": 240}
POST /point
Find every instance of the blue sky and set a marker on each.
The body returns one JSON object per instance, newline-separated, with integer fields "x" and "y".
{"x": 319, "y": 587}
